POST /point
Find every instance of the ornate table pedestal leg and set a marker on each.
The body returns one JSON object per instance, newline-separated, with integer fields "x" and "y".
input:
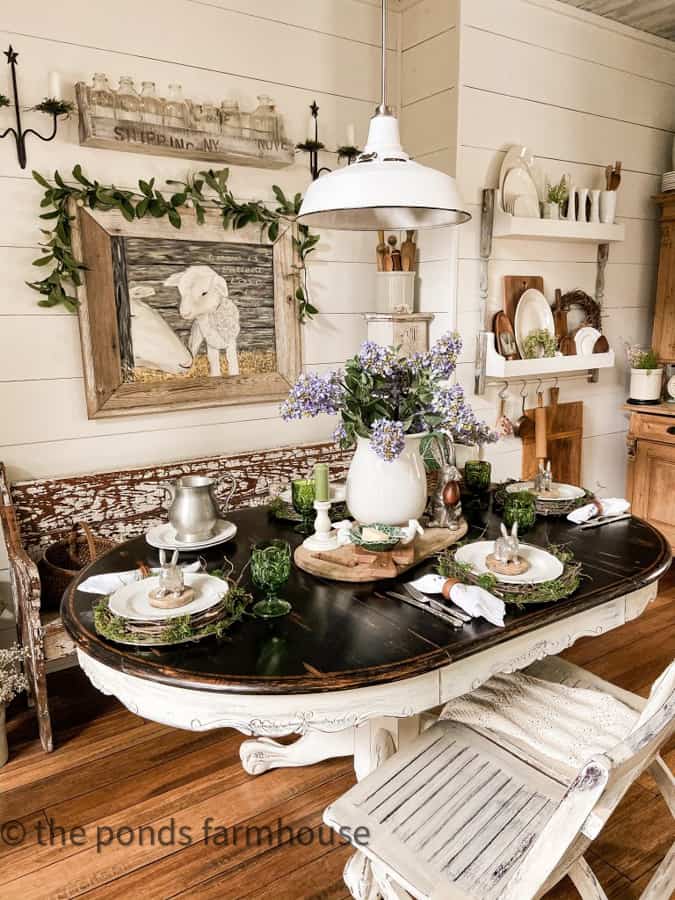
{"x": 375, "y": 742}
{"x": 260, "y": 754}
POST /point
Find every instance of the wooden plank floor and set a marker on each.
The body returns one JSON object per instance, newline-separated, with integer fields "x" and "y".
{"x": 113, "y": 773}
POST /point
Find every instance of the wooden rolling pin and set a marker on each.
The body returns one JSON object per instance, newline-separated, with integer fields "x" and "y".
{"x": 540, "y": 442}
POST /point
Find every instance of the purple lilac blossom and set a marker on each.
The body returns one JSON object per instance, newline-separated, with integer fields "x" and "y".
{"x": 312, "y": 395}
{"x": 441, "y": 360}
{"x": 387, "y": 439}
{"x": 339, "y": 435}
{"x": 378, "y": 360}
{"x": 459, "y": 418}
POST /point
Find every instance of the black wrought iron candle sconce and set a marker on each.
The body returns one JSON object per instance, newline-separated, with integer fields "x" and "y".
{"x": 313, "y": 146}
{"x": 50, "y": 105}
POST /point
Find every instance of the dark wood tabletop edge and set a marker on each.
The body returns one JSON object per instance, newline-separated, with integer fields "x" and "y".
{"x": 347, "y": 679}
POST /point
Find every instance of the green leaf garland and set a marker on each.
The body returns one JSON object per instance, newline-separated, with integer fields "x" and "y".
{"x": 207, "y": 189}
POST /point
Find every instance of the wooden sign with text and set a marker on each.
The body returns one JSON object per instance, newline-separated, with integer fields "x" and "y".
{"x": 115, "y": 132}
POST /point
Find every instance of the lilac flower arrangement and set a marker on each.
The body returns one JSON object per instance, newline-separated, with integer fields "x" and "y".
{"x": 383, "y": 396}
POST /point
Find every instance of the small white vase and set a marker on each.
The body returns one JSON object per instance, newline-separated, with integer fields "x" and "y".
{"x": 4, "y": 749}
{"x": 571, "y": 205}
{"x": 595, "y": 206}
{"x": 551, "y": 211}
{"x": 582, "y": 194}
{"x": 394, "y": 292}
{"x": 607, "y": 207}
{"x": 390, "y": 493}
{"x": 645, "y": 384}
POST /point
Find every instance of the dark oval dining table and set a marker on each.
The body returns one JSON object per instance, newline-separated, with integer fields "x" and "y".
{"x": 350, "y": 670}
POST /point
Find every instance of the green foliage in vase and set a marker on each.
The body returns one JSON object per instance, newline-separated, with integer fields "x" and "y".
{"x": 207, "y": 189}
{"x": 557, "y": 193}
{"x": 644, "y": 359}
{"x": 538, "y": 343}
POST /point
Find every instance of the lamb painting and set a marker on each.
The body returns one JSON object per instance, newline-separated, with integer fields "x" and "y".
{"x": 181, "y": 318}
{"x": 188, "y": 308}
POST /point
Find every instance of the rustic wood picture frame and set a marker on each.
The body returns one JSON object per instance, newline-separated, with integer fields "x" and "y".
{"x": 107, "y": 393}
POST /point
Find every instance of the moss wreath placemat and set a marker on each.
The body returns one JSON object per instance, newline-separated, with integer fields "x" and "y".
{"x": 518, "y": 594}
{"x": 544, "y": 507}
{"x": 179, "y": 629}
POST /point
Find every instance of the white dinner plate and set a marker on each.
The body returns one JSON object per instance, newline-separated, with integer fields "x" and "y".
{"x": 544, "y": 566}
{"x": 517, "y": 157}
{"x": 566, "y": 491}
{"x": 518, "y": 185}
{"x": 132, "y": 600}
{"x": 533, "y": 313}
{"x": 585, "y": 339}
{"x": 163, "y": 537}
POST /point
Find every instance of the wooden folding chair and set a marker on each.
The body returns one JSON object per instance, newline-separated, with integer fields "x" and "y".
{"x": 462, "y": 815}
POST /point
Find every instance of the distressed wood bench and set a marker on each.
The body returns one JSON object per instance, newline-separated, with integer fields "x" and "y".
{"x": 117, "y": 505}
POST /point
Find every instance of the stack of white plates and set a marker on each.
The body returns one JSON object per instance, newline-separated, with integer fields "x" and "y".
{"x": 668, "y": 182}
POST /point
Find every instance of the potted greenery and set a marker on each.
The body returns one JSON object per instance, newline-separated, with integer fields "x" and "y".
{"x": 388, "y": 404}
{"x": 12, "y": 682}
{"x": 646, "y": 376}
{"x": 556, "y": 195}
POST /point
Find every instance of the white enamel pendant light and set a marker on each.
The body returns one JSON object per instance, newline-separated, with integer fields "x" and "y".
{"x": 383, "y": 188}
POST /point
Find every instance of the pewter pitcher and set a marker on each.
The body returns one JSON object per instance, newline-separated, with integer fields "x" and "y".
{"x": 194, "y": 509}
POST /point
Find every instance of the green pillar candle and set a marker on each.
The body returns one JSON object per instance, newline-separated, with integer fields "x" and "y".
{"x": 321, "y": 491}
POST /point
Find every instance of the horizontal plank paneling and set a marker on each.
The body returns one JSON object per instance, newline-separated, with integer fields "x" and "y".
{"x": 556, "y": 27}
{"x": 430, "y": 124}
{"x": 554, "y": 78}
{"x": 491, "y": 120}
{"x": 429, "y": 68}
{"x": 110, "y": 452}
{"x": 33, "y": 347}
{"x": 426, "y": 19}
{"x": 211, "y": 38}
{"x": 328, "y": 338}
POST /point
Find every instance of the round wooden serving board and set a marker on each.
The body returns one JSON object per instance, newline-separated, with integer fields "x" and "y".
{"x": 348, "y": 564}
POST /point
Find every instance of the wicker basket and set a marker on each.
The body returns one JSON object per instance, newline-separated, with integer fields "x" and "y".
{"x": 62, "y": 560}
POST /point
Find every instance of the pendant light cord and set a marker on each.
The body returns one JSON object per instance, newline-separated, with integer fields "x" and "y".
{"x": 383, "y": 106}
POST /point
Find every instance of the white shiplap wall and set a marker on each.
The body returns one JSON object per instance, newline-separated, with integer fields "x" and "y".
{"x": 295, "y": 51}
{"x": 580, "y": 92}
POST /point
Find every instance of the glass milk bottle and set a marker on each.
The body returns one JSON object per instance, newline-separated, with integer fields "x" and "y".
{"x": 151, "y": 105}
{"x": 264, "y": 120}
{"x": 230, "y": 118}
{"x": 175, "y": 110}
{"x": 128, "y": 100}
{"x": 101, "y": 96}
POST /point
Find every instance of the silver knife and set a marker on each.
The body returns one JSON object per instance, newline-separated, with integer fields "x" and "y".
{"x": 605, "y": 520}
{"x": 444, "y": 616}
{"x": 416, "y": 594}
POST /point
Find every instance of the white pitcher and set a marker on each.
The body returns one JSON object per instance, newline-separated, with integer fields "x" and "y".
{"x": 390, "y": 493}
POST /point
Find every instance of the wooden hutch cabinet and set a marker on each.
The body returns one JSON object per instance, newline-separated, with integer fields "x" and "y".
{"x": 651, "y": 435}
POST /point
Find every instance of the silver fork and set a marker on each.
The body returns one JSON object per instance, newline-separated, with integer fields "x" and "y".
{"x": 435, "y": 604}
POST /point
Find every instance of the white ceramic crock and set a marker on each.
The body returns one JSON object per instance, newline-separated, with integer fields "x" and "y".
{"x": 645, "y": 384}
{"x": 388, "y": 492}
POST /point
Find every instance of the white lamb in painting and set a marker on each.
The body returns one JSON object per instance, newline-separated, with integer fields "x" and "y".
{"x": 155, "y": 344}
{"x": 205, "y": 301}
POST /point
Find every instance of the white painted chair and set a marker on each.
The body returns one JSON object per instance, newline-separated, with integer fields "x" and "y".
{"x": 463, "y": 813}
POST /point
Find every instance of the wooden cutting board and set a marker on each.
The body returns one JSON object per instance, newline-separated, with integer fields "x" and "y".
{"x": 564, "y": 431}
{"x": 514, "y": 288}
{"x": 348, "y": 564}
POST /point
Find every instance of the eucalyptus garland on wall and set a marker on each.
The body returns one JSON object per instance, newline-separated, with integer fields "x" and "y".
{"x": 201, "y": 191}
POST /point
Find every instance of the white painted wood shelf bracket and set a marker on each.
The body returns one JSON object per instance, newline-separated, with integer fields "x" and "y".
{"x": 491, "y": 366}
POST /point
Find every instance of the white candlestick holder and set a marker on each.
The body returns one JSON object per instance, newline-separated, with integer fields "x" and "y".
{"x": 324, "y": 537}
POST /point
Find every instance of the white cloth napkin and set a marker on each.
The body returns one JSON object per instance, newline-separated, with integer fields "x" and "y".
{"x": 107, "y": 583}
{"x": 476, "y": 601}
{"x": 611, "y": 506}
{"x": 472, "y": 599}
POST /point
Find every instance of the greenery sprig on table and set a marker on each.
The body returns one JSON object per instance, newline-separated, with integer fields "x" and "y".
{"x": 546, "y": 592}
{"x": 207, "y": 189}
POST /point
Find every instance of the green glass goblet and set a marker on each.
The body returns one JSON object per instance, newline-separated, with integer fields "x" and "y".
{"x": 303, "y": 492}
{"x": 520, "y": 507}
{"x": 270, "y": 569}
{"x": 477, "y": 473}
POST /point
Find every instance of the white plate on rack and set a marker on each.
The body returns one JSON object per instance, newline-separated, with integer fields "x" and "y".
{"x": 132, "y": 601}
{"x": 520, "y": 193}
{"x": 163, "y": 537}
{"x": 533, "y": 313}
{"x": 517, "y": 157}
{"x": 566, "y": 491}
{"x": 544, "y": 566}
{"x": 585, "y": 339}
